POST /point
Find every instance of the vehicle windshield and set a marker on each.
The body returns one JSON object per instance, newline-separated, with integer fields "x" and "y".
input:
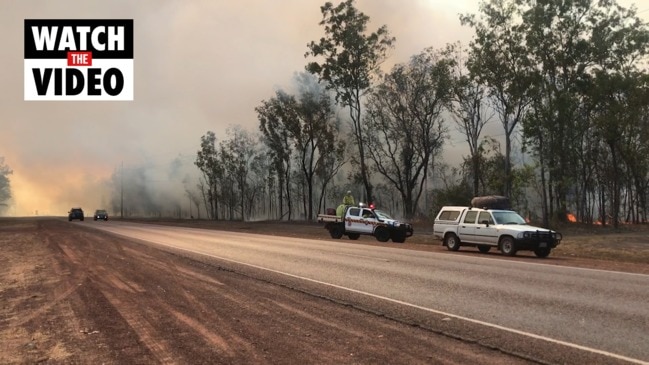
{"x": 101, "y": 212}
{"x": 382, "y": 215}
{"x": 508, "y": 218}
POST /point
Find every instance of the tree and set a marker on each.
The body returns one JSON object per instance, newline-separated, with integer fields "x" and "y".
{"x": 404, "y": 124}
{"x": 207, "y": 160}
{"x": 305, "y": 124}
{"x": 500, "y": 60}
{"x": 351, "y": 58}
{"x": 274, "y": 116}
{"x": 237, "y": 156}
{"x": 469, "y": 113}
{"x": 582, "y": 50}
{"x": 314, "y": 133}
{"x": 5, "y": 184}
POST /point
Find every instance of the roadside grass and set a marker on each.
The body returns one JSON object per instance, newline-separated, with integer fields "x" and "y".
{"x": 629, "y": 243}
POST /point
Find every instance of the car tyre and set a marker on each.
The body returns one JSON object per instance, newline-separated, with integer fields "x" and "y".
{"x": 484, "y": 248}
{"x": 382, "y": 234}
{"x": 452, "y": 242}
{"x": 398, "y": 237}
{"x": 508, "y": 246}
{"x": 336, "y": 232}
{"x": 353, "y": 236}
{"x": 542, "y": 252}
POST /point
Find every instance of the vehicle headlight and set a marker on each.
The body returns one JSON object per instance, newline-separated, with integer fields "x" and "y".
{"x": 524, "y": 235}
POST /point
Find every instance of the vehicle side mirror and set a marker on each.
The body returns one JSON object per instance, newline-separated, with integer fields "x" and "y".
{"x": 485, "y": 222}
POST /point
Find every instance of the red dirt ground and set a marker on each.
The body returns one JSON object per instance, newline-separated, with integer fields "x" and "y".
{"x": 72, "y": 295}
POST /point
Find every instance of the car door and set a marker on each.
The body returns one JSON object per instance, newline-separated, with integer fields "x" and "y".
{"x": 466, "y": 228}
{"x": 369, "y": 221}
{"x": 485, "y": 231}
{"x": 353, "y": 221}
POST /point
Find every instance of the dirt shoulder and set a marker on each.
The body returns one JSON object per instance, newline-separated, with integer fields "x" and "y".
{"x": 70, "y": 294}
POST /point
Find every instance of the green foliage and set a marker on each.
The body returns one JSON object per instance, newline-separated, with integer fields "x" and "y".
{"x": 274, "y": 116}
{"x": 305, "y": 124}
{"x": 500, "y": 61}
{"x": 404, "y": 124}
{"x": 350, "y": 60}
{"x": 469, "y": 111}
{"x": 238, "y": 157}
{"x": 5, "y": 184}
{"x": 351, "y": 57}
{"x": 459, "y": 194}
{"x": 207, "y": 161}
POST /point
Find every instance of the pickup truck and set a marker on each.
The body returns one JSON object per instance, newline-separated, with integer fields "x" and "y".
{"x": 485, "y": 228}
{"x": 353, "y": 221}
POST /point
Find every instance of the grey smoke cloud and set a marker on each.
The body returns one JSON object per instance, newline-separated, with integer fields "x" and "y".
{"x": 199, "y": 65}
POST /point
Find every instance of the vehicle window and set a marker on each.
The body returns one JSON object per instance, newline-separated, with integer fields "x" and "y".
{"x": 508, "y": 218}
{"x": 485, "y": 216}
{"x": 381, "y": 214}
{"x": 354, "y": 211}
{"x": 449, "y": 215}
{"x": 470, "y": 217}
{"x": 367, "y": 213}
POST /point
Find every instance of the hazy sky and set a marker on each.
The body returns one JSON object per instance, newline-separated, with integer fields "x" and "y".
{"x": 199, "y": 65}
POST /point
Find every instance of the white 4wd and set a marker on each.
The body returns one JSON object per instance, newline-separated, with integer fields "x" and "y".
{"x": 487, "y": 228}
{"x": 355, "y": 221}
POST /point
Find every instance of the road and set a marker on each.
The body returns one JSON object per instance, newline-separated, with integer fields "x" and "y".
{"x": 547, "y": 312}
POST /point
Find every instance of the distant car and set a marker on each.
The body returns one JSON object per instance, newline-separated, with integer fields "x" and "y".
{"x": 75, "y": 213}
{"x": 100, "y": 214}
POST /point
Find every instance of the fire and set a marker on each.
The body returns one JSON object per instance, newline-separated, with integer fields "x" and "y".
{"x": 571, "y": 218}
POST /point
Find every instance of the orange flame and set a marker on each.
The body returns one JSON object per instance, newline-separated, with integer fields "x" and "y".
{"x": 571, "y": 218}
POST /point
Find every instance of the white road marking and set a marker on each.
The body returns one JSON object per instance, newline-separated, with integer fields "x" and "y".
{"x": 397, "y": 301}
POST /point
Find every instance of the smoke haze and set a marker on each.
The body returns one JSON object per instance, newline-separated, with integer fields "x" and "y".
{"x": 199, "y": 65}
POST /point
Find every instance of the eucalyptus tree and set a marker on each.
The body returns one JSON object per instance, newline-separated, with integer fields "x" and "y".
{"x": 315, "y": 133}
{"x": 469, "y": 111}
{"x": 348, "y": 58}
{"x": 304, "y": 127}
{"x": 621, "y": 42}
{"x": 237, "y": 156}
{"x": 273, "y": 116}
{"x": 208, "y": 162}
{"x": 570, "y": 42}
{"x": 499, "y": 60}
{"x": 582, "y": 51}
{"x": 404, "y": 123}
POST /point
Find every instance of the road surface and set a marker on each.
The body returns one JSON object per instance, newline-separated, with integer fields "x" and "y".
{"x": 546, "y": 313}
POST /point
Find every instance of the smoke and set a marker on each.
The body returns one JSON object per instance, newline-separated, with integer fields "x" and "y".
{"x": 199, "y": 65}
{"x": 152, "y": 190}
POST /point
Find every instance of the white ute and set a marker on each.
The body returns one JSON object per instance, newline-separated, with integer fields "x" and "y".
{"x": 353, "y": 221}
{"x": 485, "y": 228}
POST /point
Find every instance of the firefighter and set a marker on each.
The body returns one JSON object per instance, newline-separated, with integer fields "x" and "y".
{"x": 348, "y": 199}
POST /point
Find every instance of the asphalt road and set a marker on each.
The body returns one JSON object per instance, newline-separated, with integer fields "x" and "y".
{"x": 510, "y": 305}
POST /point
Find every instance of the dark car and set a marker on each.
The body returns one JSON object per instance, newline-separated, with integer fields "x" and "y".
{"x": 75, "y": 213}
{"x": 100, "y": 214}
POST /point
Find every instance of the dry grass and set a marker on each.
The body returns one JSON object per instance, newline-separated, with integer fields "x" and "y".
{"x": 629, "y": 243}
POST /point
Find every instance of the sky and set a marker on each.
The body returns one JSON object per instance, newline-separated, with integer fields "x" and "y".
{"x": 199, "y": 66}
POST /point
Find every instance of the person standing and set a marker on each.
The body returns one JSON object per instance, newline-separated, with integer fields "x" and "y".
{"x": 348, "y": 199}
